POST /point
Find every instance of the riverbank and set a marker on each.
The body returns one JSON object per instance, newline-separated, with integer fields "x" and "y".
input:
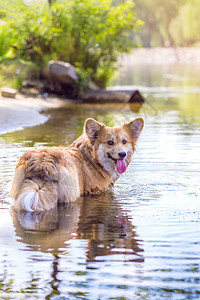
{"x": 20, "y": 112}
{"x": 15, "y": 114}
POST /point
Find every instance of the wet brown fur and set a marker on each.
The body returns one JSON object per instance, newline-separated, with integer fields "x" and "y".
{"x": 60, "y": 175}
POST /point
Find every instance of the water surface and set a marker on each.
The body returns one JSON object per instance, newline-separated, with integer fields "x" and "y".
{"x": 140, "y": 242}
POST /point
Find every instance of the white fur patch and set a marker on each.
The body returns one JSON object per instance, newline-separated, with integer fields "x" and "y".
{"x": 28, "y": 201}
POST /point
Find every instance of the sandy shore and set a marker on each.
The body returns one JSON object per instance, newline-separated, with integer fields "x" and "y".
{"x": 15, "y": 114}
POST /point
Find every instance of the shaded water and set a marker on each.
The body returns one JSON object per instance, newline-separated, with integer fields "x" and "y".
{"x": 140, "y": 242}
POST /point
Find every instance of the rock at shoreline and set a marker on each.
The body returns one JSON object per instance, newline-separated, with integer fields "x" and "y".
{"x": 60, "y": 78}
{"x": 62, "y": 72}
{"x": 8, "y": 93}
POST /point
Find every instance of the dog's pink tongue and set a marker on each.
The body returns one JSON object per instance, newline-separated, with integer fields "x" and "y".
{"x": 121, "y": 166}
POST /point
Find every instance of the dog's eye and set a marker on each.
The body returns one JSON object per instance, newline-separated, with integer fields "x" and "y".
{"x": 124, "y": 142}
{"x": 110, "y": 143}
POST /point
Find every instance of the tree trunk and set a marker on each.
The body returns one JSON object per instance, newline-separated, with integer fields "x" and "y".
{"x": 50, "y": 2}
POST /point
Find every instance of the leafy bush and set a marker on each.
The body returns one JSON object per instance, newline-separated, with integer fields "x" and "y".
{"x": 14, "y": 72}
{"x": 5, "y": 40}
{"x": 89, "y": 34}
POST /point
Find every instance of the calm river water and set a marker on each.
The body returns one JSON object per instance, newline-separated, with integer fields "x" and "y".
{"x": 140, "y": 242}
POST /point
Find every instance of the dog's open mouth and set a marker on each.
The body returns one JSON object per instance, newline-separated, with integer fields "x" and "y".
{"x": 120, "y": 164}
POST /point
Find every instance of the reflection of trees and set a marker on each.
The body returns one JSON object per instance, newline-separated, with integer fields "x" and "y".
{"x": 100, "y": 220}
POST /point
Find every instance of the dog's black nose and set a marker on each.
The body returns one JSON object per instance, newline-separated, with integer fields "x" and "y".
{"x": 122, "y": 154}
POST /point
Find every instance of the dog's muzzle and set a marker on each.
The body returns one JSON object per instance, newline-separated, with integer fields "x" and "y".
{"x": 120, "y": 163}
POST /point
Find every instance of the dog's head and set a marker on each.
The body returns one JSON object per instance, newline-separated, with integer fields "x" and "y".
{"x": 113, "y": 147}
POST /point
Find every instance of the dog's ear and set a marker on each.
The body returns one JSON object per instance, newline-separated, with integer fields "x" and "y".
{"x": 92, "y": 129}
{"x": 135, "y": 127}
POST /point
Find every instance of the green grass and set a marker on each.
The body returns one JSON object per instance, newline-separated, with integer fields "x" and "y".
{"x": 14, "y": 71}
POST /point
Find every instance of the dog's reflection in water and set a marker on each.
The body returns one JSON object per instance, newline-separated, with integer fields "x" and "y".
{"x": 100, "y": 220}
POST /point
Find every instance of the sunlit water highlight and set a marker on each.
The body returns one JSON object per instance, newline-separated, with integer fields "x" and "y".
{"x": 140, "y": 242}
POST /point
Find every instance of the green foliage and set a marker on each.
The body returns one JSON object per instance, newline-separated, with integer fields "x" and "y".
{"x": 157, "y": 16}
{"x": 85, "y": 32}
{"x": 84, "y": 79}
{"x": 5, "y": 40}
{"x": 185, "y": 27}
{"x": 18, "y": 82}
{"x": 14, "y": 72}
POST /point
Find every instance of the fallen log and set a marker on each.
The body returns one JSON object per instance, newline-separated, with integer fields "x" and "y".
{"x": 108, "y": 96}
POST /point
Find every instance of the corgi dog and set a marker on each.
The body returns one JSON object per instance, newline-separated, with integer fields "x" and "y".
{"x": 90, "y": 165}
